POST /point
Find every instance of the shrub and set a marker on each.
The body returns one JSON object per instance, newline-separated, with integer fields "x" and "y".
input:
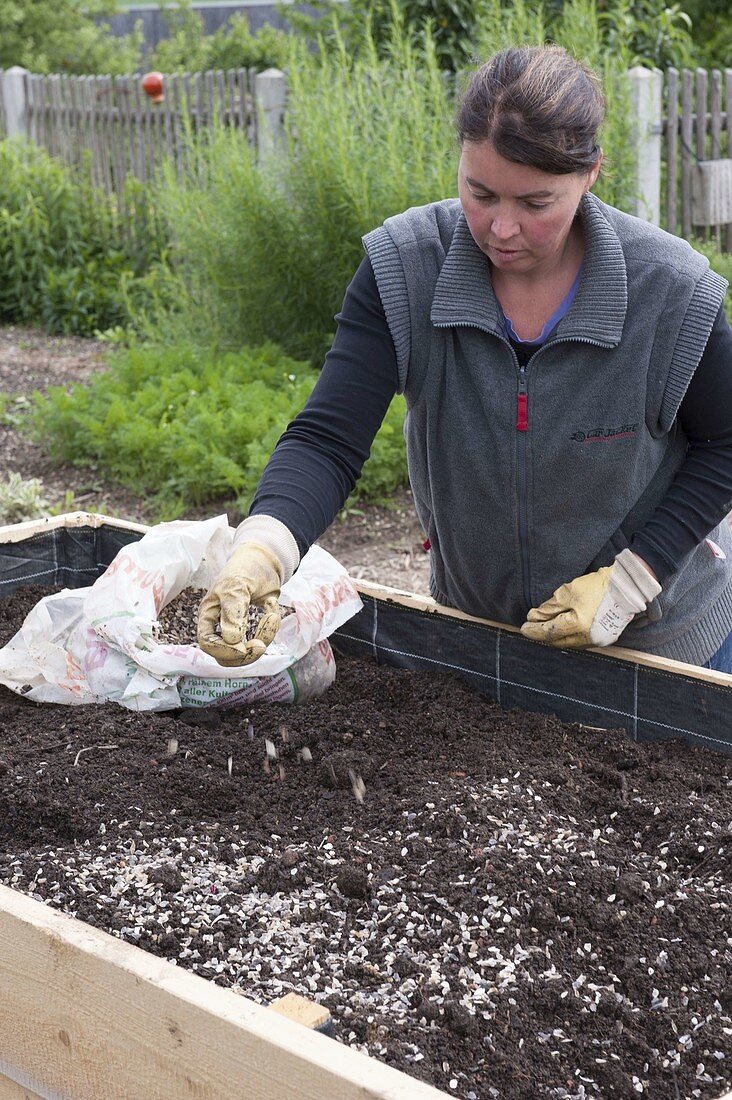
{"x": 65, "y": 257}
{"x": 711, "y": 22}
{"x": 233, "y": 46}
{"x": 191, "y": 426}
{"x": 63, "y": 37}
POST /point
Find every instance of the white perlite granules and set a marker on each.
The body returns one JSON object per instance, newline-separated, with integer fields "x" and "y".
{"x": 213, "y": 916}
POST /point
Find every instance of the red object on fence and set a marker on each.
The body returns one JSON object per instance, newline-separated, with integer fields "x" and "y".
{"x": 152, "y": 85}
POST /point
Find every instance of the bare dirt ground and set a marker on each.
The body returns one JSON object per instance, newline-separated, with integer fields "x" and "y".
{"x": 382, "y": 545}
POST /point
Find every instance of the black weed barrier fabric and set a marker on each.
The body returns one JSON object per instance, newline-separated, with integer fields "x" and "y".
{"x": 650, "y": 704}
{"x": 68, "y": 557}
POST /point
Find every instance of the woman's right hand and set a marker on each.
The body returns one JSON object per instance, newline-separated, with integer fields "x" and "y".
{"x": 253, "y": 574}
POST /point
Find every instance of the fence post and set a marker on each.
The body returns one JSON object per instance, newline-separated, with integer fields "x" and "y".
{"x": 13, "y": 92}
{"x": 646, "y": 94}
{"x": 270, "y": 93}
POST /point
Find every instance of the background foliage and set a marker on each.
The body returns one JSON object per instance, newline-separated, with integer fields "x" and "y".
{"x": 266, "y": 250}
{"x": 224, "y": 281}
{"x": 190, "y": 49}
{"x": 712, "y": 31}
{"x": 48, "y": 36}
{"x": 68, "y": 35}
{"x": 654, "y": 32}
{"x": 66, "y": 257}
{"x": 191, "y": 425}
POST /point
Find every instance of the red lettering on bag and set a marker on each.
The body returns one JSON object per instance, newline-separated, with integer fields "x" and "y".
{"x": 158, "y": 591}
{"x": 144, "y": 578}
{"x": 97, "y": 652}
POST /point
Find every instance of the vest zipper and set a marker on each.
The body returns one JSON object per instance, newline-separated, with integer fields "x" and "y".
{"x": 522, "y": 427}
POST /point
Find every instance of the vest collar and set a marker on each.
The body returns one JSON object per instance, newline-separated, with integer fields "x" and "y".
{"x": 464, "y": 295}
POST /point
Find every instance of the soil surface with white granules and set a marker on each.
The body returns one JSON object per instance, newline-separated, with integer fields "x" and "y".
{"x": 502, "y": 905}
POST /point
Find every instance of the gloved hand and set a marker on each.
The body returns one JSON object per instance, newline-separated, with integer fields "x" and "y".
{"x": 596, "y": 608}
{"x": 253, "y": 574}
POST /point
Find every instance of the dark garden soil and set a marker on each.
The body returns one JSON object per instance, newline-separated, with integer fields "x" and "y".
{"x": 492, "y": 901}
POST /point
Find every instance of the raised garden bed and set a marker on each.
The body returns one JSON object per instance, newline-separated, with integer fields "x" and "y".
{"x": 512, "y": 907}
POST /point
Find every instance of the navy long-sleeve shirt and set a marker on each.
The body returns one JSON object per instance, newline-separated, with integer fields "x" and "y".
{"x": 320, "y": 456}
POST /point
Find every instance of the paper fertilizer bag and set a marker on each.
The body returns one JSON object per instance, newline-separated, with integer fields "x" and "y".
{"x": 100, "y": 644}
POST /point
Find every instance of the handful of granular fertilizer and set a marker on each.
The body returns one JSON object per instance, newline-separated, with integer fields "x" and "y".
{"x": 177, "y": 621}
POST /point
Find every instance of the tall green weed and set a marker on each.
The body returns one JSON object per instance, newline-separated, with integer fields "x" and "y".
{"x": 266, "y": 247}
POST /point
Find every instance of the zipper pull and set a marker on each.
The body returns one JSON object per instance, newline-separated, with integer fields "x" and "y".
{"x": 522, "y": 407}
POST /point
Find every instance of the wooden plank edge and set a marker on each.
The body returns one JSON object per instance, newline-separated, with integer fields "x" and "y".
{"x": 85, "y": 1015}
{"x": 18, "y": 531}
{"x": 620, "y": 653}
{"x": 11, "y": 1090}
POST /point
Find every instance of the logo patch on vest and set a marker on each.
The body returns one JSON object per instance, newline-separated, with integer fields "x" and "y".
{"x": 605, "y": 435}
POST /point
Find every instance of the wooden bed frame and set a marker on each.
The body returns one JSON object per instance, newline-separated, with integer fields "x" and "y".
{"x": 85, "y": 1016}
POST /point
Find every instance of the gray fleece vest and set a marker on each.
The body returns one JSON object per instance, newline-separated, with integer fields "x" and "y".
{"x": 524, "y": 479}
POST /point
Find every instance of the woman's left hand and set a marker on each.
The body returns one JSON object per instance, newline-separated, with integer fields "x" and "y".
{"x": 596, "y": 608}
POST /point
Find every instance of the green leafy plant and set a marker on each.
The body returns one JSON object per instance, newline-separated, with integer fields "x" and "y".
{"x": 14, "y": 409}
{"x": 191, "y": 426}
{"x": 21, "y": 499}
{"x": 233, "y": 46}
{"x": 68, "y": 258}
{"x": 651, "y": 32}
{"x": 67, "y": 503}
{"x": 711, "y": 22}
{"x": 65, "y": 36}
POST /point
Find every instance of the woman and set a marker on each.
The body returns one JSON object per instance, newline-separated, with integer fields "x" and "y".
{"x": 568, "y": 376}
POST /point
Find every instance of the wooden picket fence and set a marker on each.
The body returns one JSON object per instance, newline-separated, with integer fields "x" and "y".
{"x": 123, "y": 131}
{"x": 111, "y": 122}
{"x": 685, "y": 116}
{"x": 697, "y": 126}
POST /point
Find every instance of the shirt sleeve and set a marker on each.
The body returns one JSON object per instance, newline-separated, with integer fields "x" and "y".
{"x": 701, "y": 494}
{"x": 319, "y": 459}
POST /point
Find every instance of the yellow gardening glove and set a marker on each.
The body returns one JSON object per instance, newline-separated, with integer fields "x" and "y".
{"x": 252, "y": 574}
{"x": 596, "y": 608}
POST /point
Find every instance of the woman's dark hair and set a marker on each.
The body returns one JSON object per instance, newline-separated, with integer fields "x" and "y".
{"x": 537, "y": 106}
